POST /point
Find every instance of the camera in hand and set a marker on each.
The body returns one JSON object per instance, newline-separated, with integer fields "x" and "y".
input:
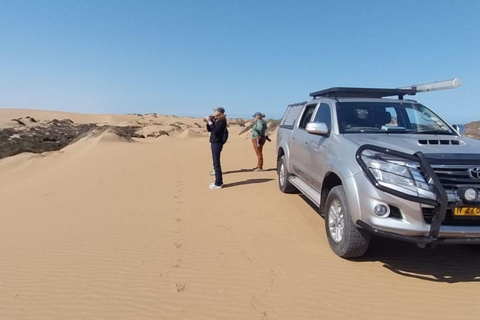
{"x": 209, "y": 118}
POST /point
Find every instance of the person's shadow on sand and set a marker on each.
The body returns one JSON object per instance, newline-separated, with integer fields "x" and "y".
{"x": 249, "y": 181}
{"x": 247, "y": 170}
{"x": 445, "y": 263}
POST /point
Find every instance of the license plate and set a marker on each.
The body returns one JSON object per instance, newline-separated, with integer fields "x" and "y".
{"x": 466, "y": 211}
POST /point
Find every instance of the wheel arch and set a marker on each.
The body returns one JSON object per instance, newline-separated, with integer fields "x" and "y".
{"x": 283, "y": 151}
{"x": 331, "y": 180}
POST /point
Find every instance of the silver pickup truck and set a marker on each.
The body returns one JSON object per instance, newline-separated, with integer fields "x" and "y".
{"x": 384, "y": 166}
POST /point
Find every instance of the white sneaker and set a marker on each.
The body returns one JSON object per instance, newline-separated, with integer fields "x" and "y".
{"x": 213, "y": 186}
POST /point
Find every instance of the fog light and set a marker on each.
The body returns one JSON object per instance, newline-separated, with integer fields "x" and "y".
{"x": 470, "y": 194}
{"x": 381, "y": 211}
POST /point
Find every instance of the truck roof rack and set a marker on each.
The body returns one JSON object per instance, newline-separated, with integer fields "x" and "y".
{"x": 348, "y": 92}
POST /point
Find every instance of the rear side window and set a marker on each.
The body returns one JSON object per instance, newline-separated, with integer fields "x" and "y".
{"x": 291, "y": 115}
{"x": 307, "y": 116}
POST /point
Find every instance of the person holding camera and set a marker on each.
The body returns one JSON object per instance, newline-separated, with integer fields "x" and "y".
{"x": 217, "y": 126}
{"x": 259, "y": 136}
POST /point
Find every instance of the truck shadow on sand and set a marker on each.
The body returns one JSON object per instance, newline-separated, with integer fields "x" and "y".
{"x": 445, "y": 263}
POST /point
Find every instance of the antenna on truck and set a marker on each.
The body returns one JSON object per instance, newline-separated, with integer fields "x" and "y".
{"x": 436, "y": 85}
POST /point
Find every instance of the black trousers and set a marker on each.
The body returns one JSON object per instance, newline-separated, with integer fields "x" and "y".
{"x": 216, "y": 150}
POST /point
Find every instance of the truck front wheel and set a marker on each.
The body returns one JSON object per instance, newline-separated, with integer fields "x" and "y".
{"x": 283, "y": 183}
{"x": 344, "y": 237}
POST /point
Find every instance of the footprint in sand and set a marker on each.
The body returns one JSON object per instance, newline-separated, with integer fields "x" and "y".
{"x": 178, "y": 245}
{"x": 177, "y": 265}
{"x": 181, "y": 287}
{"x": 245, "y": 254}
{"x": 257, "y": 303}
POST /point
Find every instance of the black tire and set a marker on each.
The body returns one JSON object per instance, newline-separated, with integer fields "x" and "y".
{"x": 354, "y": 241}
{"x": 282, "y": 172}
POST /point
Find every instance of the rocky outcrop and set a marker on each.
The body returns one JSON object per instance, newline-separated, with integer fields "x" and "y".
{"x": 53, "y": 135}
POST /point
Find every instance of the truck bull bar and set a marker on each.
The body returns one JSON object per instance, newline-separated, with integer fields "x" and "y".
{"x": 440, "y": 203}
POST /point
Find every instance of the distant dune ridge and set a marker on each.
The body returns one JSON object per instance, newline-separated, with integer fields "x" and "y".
{"x": 119, "y": 223}
{"x": 52, "y": 131}
{"x": 473, "y": 129}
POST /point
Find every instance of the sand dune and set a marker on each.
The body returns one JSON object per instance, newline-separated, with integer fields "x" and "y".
{"x": 110, "y": 229}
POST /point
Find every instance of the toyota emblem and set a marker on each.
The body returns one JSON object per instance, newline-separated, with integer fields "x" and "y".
{"x": 474, "y": 173}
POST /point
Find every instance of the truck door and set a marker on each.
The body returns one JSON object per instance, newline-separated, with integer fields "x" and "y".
{"x": 298, "y": 150}
{"x": 316, "y": 154}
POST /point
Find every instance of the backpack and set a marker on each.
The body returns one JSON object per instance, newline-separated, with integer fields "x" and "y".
{"x": 225, "y": 135}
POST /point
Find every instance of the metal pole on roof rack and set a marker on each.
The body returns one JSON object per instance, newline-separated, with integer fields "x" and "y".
{"x": 437, "y": 85}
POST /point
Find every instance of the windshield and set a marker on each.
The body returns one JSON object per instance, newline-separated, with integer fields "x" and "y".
{"x": 389, "y": 117}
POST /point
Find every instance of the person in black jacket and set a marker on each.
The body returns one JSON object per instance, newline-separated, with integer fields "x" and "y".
{"x": 217, "y": 126}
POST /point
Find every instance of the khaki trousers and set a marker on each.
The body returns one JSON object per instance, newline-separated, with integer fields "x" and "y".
{"x": 258, "y": 143}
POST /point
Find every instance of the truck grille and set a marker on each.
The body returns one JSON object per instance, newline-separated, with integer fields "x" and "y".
{"x": 453, "y": 177}
{"x": 450, "y": 219}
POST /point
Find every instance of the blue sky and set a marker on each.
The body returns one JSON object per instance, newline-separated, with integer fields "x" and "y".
{"x": 185, "y": 57}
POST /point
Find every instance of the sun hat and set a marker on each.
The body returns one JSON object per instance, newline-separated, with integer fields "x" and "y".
{"x": 258, "y": 114}
{"x": 219, "y": 109}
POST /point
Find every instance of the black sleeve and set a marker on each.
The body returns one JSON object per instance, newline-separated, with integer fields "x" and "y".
{"x": 217, "y": 127}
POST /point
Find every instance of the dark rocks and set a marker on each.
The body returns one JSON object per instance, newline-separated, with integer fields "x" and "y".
{"x": 38, "y": 139}
{"x": 175, "y": 126}
{"x": 20, "y": 122}
{"x": 236, "y": 122}
{"x": 55, "y": 135}
{"x": 158, "y": 134}
{"x": 246, "y": 129}
{"x": 128, "y": 132}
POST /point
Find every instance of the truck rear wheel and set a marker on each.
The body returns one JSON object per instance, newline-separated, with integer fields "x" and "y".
{"x": 344, "y": 237}
{"x": 283, "y": 183}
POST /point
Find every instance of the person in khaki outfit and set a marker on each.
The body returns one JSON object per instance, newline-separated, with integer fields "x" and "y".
{"x": 259, "y": 136}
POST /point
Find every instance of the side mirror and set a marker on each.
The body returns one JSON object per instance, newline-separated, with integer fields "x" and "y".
{"x": 317, "y": 128}
{"x": 460, "y": 128}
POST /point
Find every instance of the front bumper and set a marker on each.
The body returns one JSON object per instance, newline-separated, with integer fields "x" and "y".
{"x": 421, "y": 240}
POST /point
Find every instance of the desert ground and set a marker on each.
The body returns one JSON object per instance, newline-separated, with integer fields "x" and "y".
{"x": 116, "y": 226}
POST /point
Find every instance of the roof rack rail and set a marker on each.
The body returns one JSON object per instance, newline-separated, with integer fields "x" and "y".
{"x": 297, "y": 104}
{"x": 348, "y": 92}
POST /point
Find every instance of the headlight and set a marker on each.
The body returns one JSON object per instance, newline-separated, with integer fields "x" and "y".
{"x": 397, "y": 174}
